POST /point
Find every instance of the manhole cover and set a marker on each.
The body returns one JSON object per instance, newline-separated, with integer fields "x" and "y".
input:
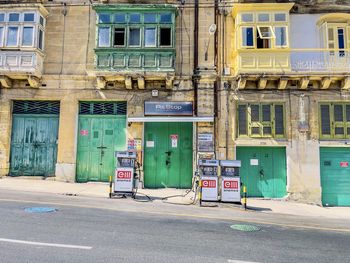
{"x": 246, "y": 228}
{"x": 40, "y": 209}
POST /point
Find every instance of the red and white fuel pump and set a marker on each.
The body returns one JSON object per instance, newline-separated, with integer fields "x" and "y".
{"x": 208, "y": 172}
{"x": 125, "y": 179}
{"x": 230, "y": 181}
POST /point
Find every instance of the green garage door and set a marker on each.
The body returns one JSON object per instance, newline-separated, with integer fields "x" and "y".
{"x": 335, "y": 176}
{"x": 168, "y": 155}
{"x": 34, "y": 138}
{"x": 101, "y": 132}
{"x": 263, "y": 171}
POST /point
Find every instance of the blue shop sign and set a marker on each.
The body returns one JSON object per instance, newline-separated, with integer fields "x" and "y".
{"x": 168, "y": 108}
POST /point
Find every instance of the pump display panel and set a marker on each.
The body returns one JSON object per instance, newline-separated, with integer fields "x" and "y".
{"x": 126, "y": 162}
{"x": 229, "y": 171}
{"x": 209, "y": 170}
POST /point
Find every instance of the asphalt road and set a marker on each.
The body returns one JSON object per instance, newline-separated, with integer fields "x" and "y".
{"x": 78, "y": 234}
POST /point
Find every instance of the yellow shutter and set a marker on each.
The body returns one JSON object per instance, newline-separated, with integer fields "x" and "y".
{"x": 331, "y": 34}
{"x": 348, "y": 37}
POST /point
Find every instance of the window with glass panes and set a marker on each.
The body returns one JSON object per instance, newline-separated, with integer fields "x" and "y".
{"x": 261, "y": 120}
{"x": 335, "y": 120}
{"x": 263, "y": 30}
{"x": 336, "y": 38}
{"x": 22, "y": 29}
{"x": 135, "y": 38}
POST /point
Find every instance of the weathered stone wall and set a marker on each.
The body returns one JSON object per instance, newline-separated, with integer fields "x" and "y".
{"x": 69, "y": 76}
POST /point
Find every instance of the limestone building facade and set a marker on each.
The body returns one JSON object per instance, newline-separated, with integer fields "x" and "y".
{"x": 266, "y": 82}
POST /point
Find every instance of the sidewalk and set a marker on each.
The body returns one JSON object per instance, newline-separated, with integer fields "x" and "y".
{"x": 101, "y": 190}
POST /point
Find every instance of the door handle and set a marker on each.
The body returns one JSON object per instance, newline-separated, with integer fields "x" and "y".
{"x": 168, "y": 153}
{"x": 261, "y": 172}
{"x": 167, "y": 162}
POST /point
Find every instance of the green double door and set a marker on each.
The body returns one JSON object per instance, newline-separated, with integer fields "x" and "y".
{"x": 98, "y": 138}
{"x": 335, "y": 176}
{"x": 34, "y": 144}
{"x": 168, "y": 155}
{"x": 263, "y": 171}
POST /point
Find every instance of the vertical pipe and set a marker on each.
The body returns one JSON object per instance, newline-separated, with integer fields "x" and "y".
{"x": 216, "y": 83}
{"x": 195, "y": 57}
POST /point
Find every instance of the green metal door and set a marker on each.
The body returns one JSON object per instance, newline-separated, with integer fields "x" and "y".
{"x": 168, "y": 155}
{"x": 263, "y": 171}
{"x": 98, "y": 138}
{"x": 101, "y": 132}
{"x": 34, "y": 138}
{"x": 335, "y": 176}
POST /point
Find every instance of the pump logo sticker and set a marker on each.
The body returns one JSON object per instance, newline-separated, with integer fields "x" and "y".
{"x": 124, "y": 175}
{"x": 231, "y": 184}
{"x": 208, "y": 183}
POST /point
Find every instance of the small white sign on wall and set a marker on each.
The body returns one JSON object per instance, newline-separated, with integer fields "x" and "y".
{"x": 150, "y": 144}
{"x": 174, "y": 138}
{"x": 254, "y": 161}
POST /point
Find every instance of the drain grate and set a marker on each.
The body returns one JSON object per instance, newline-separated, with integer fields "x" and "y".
{"x": 246, "y": 228}
{"x": 40, "y": 209}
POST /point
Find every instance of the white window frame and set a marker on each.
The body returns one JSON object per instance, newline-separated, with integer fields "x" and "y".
{"x": 2, "y": 36}
{"x": 7, "y": 36}
{"x": 287, "y": 41}
{"x": 280, "y": 13}
{"x": 263, "y": 13}
{"x": 140, "y": 36}
{"x": 21, "y": 24}
{"x": 247, "y": 13}
{"x": 35, "y": 17}
{"x": 273, "y": 36}
{"x": 109, "y": 36}
{"x": 254, "y": 37}
{"x": 19, "y": 17}
{"x": 33, "y": 36}
{"x": 155, "y": 35}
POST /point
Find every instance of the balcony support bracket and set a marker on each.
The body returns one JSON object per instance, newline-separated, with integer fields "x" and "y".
{"x": 346, "y": 84}
{"x": 128, "y": 82}
{"x": 141, "y": 82}
{"x": 304, "y": 83}
{"x": 242, "y": 82}
{"x": 326, "y": 82}
{"x": 282, "y": 83}
{"x": 169, "y": 82}
{"x": 34, "y": 82}
{"x": 101, "y": 83}
{"x": 5, "y": 81}
{"x": 262, "y": 83}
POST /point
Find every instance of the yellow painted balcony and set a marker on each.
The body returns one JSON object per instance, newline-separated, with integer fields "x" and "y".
{"x": 261, "y": 61}
{"x": 291, "y": 62}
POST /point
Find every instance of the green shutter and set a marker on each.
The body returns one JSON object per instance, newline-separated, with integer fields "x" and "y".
{"x": 242, "y": 119}
{"x": 261, "y": 120}
{"x": 325, "y": 121}
{"x": 279, "y": 120}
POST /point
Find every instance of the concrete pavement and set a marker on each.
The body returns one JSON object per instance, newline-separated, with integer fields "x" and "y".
{"x": 100, "y": 190}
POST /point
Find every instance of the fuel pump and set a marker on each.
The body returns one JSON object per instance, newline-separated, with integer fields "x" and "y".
{"x": 208, "y": 172}
{"x": 125, "y": 179}
{"x": 230, "y": 181}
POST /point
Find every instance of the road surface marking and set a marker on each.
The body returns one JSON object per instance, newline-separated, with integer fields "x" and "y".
{"x": 43, "y": 244}
{"x": 238, "y": 219}
{"x": 240, "y": 261}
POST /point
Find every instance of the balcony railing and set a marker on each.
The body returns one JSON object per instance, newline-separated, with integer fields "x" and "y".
{"x": 292, "y": 61}
{"x": 21, "y": 63}
{"x": 320, "y": 61}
